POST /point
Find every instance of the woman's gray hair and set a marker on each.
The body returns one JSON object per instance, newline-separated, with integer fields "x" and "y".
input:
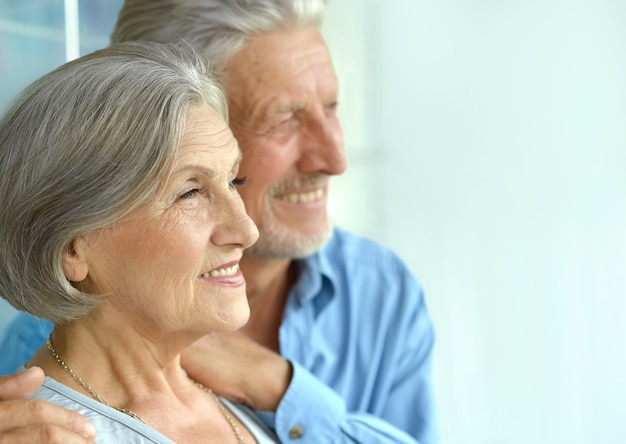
{"x": 218, "y": 28}
{"x": 81, "y": 148}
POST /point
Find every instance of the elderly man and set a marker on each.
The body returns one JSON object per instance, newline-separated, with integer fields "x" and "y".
{"x": 339, "y": 343}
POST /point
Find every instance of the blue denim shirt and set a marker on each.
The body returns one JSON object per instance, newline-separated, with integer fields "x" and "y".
{"x": 359, "y": 337}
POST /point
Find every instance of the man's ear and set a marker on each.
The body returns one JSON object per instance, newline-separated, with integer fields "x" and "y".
{"x": 75, "y": 265}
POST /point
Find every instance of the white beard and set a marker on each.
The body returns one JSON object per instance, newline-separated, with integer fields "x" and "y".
{"x": 277, "y": 242}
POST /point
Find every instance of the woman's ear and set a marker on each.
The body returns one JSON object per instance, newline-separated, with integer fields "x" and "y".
{"x": 75, "y": 266}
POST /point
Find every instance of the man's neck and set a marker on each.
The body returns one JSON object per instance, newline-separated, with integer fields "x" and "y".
{"x": 267, "y": 285}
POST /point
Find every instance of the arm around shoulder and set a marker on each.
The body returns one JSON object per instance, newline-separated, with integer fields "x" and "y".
{"x": 36, "y": 421}
{"x": 311, "y": 412}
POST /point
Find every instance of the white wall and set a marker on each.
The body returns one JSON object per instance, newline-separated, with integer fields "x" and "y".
{"x": 487, "y": 142}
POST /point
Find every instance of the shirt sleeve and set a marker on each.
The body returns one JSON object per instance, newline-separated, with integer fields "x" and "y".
{"x": 311, "y": 412}
{"x": 20, "y": 339}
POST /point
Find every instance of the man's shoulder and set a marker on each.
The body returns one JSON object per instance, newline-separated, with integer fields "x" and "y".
{"x": 20, "y": 339}
{"x": 358, "y": 263}
{"x": 371, "y": 280}
{"x": 353, "y": 248}
{"x": 25, "y": 327}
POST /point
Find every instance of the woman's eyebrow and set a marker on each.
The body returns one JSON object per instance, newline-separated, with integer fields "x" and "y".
{"x": 198, "y": 169}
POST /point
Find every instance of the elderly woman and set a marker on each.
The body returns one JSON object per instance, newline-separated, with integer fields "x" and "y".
{"x": 121, "y": 223}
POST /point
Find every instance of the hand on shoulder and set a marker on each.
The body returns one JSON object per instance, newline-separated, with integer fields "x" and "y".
{"x": 236, "y": 367}
{"x": 34, "y": 421}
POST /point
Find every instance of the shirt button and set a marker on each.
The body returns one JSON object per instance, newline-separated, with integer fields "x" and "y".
{"x": 296, "y": 432}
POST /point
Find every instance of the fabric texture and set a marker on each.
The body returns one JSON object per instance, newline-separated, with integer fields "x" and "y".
{"x": 358, "y": 334}
{"x": 116, "y": 427}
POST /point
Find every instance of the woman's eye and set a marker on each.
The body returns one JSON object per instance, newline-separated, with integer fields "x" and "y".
{"x": 190, "y": 194}
{"x": 238, "y": 181}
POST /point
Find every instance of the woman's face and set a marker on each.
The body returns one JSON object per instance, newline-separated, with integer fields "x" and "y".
{"x": 173, "y": 264}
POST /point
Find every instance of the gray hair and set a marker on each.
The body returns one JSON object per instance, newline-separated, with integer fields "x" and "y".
{"x": 79, "y": 149}
{"x": 218, "y": 28}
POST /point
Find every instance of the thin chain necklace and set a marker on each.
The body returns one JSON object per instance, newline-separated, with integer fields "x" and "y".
{"x": 130, "y": 413}
{"x": 224, "y": 411}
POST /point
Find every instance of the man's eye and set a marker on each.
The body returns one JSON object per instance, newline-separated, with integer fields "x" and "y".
{"x": 190, "y": 194}
{"x": 285, "y": 124}
{"x": 238, "y": 181}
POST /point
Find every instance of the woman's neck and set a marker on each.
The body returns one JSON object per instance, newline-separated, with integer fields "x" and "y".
{"x": 137, "y": 374}
{"x": 122, "y": 365}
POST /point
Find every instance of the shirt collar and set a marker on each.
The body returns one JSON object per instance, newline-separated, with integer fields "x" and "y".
{"x": 317, "y": 275}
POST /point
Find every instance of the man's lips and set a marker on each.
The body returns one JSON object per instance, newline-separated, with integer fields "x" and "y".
{"x": 303, "y": 196}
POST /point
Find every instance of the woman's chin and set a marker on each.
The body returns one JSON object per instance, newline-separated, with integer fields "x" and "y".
{"x": 236, "y": 318}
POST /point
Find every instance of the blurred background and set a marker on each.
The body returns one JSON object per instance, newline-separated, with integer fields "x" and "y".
{"x": 487, "y": 146}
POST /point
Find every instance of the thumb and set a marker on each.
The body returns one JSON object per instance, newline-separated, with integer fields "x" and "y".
{"x": 21, "y": 385}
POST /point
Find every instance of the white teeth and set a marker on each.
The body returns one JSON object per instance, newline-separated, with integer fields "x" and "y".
{"x": 304, "y": 197}
{"x": 228, "y": 271}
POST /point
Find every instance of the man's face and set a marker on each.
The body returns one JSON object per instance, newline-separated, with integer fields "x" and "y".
{"x": 283, "y": 97}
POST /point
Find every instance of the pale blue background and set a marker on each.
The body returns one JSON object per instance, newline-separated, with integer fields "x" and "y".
{"x": 486, "y": 142}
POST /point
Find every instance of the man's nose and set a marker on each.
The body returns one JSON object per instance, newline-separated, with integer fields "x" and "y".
{"x": 322, "y": 149}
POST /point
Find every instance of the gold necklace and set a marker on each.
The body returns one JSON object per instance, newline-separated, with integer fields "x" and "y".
{"x": 224, "y": 411}
{"x": 130, "y": 413}
{"x": 86, "y": 386}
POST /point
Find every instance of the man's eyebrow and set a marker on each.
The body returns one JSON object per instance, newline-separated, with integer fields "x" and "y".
{"x": 281, "y": 109}
{"x": 293, "y": 107}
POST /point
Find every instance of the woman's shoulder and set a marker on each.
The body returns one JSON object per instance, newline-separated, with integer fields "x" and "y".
{"x": 112, "y": 425}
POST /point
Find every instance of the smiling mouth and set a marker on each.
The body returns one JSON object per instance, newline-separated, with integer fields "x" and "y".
{"x": 310, "y": 196}
{"x": 227, "y": 271}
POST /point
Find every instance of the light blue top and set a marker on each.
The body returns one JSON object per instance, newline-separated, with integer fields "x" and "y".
{"x": 116, "y": 427}
{"x": 360, "y": 339}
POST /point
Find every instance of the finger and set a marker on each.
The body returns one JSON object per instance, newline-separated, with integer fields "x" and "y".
{"x": 43, "y": 434}
{"x": 21, "y": 385}
{"x": 37, "y": 413}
